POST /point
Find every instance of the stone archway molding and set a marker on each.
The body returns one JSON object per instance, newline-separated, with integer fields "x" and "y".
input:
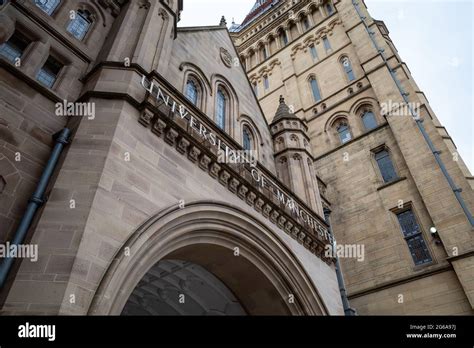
{"x": 206, "y": 222}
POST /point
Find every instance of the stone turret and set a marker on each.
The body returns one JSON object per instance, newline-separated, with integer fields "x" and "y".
{"x": 293, "y": 156}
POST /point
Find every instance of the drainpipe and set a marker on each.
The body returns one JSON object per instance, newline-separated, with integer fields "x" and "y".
{"x": 37, "y": 199}
{"x": 419, "y": 122}
{"x": 348, "y": 311}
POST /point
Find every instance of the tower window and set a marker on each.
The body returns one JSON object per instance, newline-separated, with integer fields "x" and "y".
{"x": 315, "y": 89}
{"x": 80, "y": 25}
{"x": 368, "y": 118}
{"x": 264, "y": 53}
{"x": 221, "y": 109}
{"x": 255, "y": 89}
{"x": 329, "y": 9}
{"x": 306, "y": 23}
{"x": 386, "y": 166}
{"x": 266, "y": 82}
{"x": 192, "y": 92}
{"x": 414, "y": 238}
{"x": 14, "y": 47}
{"x": 48, "y": 6}
{"x": 344, "y": 133}
{"x": 313, "y": 51}
{"x": 48, "y": 74}
{"x": 346, "y": 64}
{"x": 284, "y": 38}
{"x": 327, "y": 45}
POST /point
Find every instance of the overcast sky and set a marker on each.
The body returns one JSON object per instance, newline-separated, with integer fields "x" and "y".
{"x": 434, "y": 38}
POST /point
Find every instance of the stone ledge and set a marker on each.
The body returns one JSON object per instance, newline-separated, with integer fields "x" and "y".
{"x": 393, "y": 182}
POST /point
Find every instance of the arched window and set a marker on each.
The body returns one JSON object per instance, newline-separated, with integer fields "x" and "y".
{"x": 263, "y": 53}
{"x": 346, "y": 64}
{"x": 283, "y": 38}
{"x": 368, "y": 118}
{"x": 344, "y": 132}
{"x": 314, "y": 53}
{"x": 266, "y": 82}
{"x": 247, "y": 139}
{"x": 305, "y": 22}
{"x": 192, "y": 92}
{"x": 327, "y": 44}
{"x": 221, "y": 108}
{"x": 252, "y": 59}
{"x": 387, "y": 170}
{"x": 80, "y": 24}
{"x": 329, "y": 9}
{"x": 48, "y": 6}
{"x": 315, "y": 89}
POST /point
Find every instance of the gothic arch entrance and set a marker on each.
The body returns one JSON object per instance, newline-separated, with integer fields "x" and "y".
{"x": 259, "y": 281}
{"x": 175, "y": 287}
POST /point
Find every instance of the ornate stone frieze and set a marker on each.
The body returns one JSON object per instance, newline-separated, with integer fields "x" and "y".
{"x": 236, "y": 181}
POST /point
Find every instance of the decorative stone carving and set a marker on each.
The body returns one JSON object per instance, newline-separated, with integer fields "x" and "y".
{"x": 251, "y": 198}
{"x": 281, "y": 221}
{"x": 226, "y": 57}
{"x": 171, "y": 136}
{"x": 274, "y": 216}
{"x": 194, "y": 153}
{"x": 224, "y": 177}
{"x": 301, "y": 237}
{"x": 242, "y": 191}
{"x": 204, "y": 162}
{"x": 312, "y": 239}
{"x": 183, "y": 144}
{"x": 145, "y": 117}
{"x": 234, "y": 183}
{"x": 158, "y": 127}
{"x": 295, "y": 231}
{"x": 259, "y": 204}
{"x": 214, "y": 171}
{"x": 307, "y": 242}
{"x": 266, "y": 210}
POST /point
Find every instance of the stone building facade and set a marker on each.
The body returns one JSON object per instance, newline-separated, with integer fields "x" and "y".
{"x": 155, "y": 207}
{"x": 343, "y": 78}
{"x": 142, "y": 215}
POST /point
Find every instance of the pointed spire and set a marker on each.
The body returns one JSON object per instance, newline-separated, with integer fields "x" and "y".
{"x": 283, "y": 111}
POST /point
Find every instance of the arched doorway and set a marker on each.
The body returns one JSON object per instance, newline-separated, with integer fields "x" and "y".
{"x": 245, "y": 257}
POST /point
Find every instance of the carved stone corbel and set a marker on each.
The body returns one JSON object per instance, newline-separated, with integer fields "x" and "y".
{"x": 204, "y": 162}
{"x": 182, "y": 146}
{"x": 193, "y": 154}
{"x": 159, "y": 127}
